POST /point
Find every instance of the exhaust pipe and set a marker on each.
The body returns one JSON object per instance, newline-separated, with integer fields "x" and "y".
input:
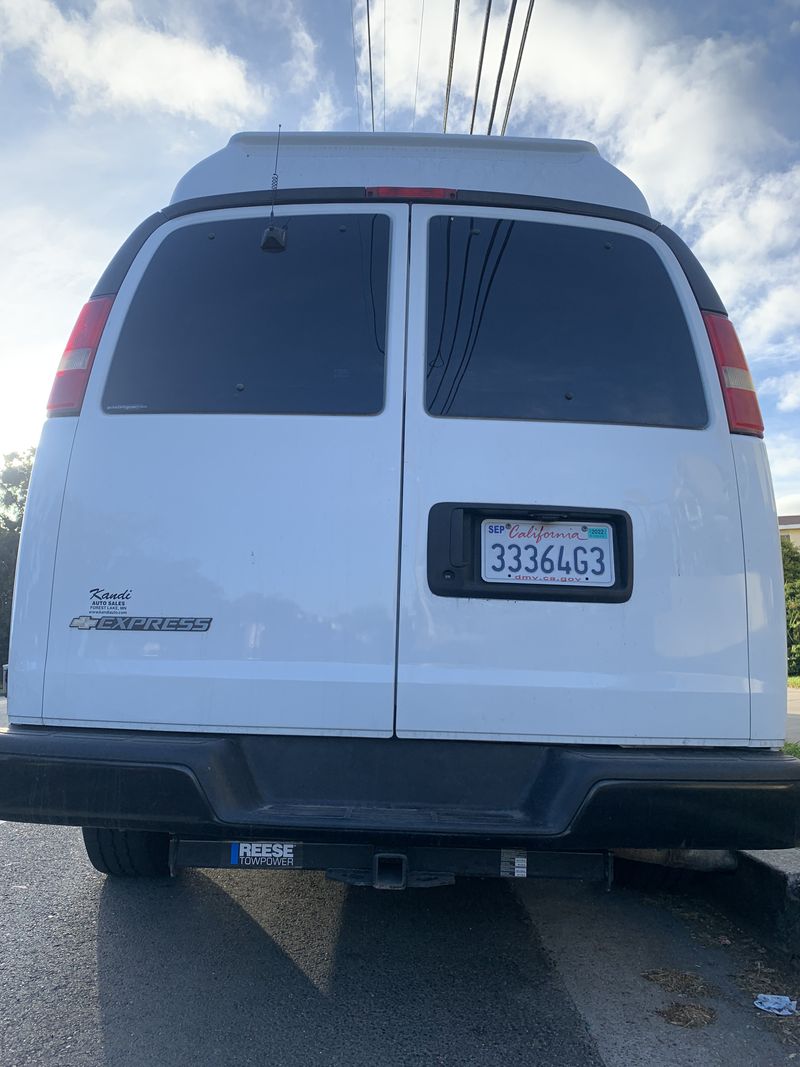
{"x": 690, "y": 859}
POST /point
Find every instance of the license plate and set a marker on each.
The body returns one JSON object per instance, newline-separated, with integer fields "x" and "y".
{"x": 547, "y": 553}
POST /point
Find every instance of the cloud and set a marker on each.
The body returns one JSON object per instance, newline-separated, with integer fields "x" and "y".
{"x": 303, "y": 74}
{"x": 748, "y": 236}
{"x": 786, "y": 388}
{"x": 60, "y": 272}
{"x": 324, "y": 113}
{"x": 109, "y": 59}
{"x": 784, "y": 461}
{"x": 302, "y": 66}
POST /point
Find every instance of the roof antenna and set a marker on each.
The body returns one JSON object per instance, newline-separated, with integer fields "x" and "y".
{"x": 274, "y": 237}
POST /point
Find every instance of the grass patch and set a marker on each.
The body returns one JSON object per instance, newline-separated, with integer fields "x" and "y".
{"x": 792, "y": 748}
{"x": 690, "y": 1016}
{"x": 794, "y": 681}
{"x": 680, "y": 982}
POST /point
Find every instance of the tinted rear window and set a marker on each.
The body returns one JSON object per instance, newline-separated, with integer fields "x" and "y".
{"x": 541, "y": 321}
{"x": 218, "y": 325}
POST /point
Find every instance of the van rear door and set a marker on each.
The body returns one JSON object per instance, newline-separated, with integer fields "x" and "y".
{"x": 571, "y": 559}
{"x": 228, "y": 550}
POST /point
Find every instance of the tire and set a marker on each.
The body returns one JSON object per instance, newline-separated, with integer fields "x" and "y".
{"x": 127, "y": 853}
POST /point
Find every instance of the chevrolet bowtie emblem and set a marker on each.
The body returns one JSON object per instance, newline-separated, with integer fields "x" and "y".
{"x": 84, "y": 622}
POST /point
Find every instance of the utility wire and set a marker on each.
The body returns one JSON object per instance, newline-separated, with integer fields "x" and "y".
{"x": 378, "y": 344}
{"x": 369, "y": 49}
{"x": 452, "y": 395}
{"x": 511, "y": 11}
{"x": 473, "y": 232}
{"x": 419, "y": 56}
{"x": 448, "y": 244}
{"x": 516, "y": 69}
{"x": 480, "y": 64}
{"x": 485, "y": 263}
{"x": 355, "y": 63}
{"x": 453, "y": 36}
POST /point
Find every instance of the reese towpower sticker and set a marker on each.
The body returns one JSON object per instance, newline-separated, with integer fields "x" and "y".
{"x": 265, "y": 854}
{"x": 139, "y": 623}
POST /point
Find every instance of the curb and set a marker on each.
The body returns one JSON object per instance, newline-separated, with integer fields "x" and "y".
{"x": 764, "y": 892}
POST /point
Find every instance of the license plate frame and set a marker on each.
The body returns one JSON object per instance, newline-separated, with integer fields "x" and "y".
{"x": 454, "y": 551}
{"x": 566, "y": 554}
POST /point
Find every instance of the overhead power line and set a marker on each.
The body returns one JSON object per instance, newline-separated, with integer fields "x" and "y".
{"x": 419, "y": 56}
{"x": 480, "y": 64}
{"x": 511, "y": 11}
{"x": 516, "y": 68}
{"x": 467, "y": 355}
{"x": 369, "y": 50}
{"x": 453, "y": 36}
{"x": 355, "y": 63}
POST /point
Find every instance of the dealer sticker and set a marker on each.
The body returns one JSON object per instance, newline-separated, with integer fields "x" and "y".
{"x": 266, "y": 854}
{"x": 513, "y": 863}
{"x": 109, "y": 601}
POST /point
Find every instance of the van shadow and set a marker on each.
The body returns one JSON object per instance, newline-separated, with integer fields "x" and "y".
{"x": 291, "y": 969}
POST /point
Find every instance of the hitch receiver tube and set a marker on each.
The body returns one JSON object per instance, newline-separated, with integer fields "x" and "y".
{"x": 389, "y": 870}
{"x": 376, "y": 866}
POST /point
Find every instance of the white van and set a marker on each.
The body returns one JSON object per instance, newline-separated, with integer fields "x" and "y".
{"x": 423, "y": 529}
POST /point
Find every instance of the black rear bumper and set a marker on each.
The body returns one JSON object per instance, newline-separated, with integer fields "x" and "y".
{"x": 396, "y": 792}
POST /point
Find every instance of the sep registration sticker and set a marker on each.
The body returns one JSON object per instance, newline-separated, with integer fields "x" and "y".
{"x": 266, "y": 854}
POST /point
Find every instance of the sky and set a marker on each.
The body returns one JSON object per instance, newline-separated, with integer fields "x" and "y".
{"x": 104, "y": 104}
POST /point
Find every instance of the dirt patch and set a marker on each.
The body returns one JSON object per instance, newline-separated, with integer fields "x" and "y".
{"x": 754, "y": 967}
{"x": 689, "y": 1016}
{"x": 684, "y": 982}
{"x": 760, "y": 977}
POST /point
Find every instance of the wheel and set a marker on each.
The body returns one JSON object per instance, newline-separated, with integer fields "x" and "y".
{"x": 127, "y": 853}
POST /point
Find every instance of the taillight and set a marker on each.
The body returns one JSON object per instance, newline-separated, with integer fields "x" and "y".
{"x": 408, "y": 192}
{"x": 72, "y": 376}
{"x": 741, "y": 402}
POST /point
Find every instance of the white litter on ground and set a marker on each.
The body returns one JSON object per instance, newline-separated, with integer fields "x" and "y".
{"x": 775, "y": 1005}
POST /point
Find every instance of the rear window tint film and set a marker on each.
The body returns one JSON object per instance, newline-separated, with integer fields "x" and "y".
{"x": 217, "y": 325}
{"x": 562, "y": 323}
